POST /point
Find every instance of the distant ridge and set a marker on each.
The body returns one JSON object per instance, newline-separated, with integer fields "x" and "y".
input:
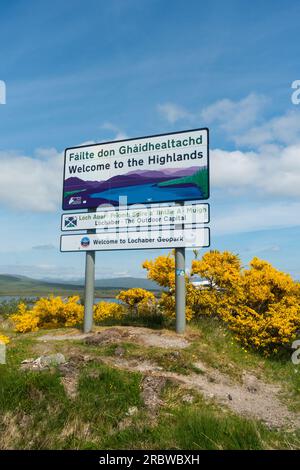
{"x": 11, "y": 285}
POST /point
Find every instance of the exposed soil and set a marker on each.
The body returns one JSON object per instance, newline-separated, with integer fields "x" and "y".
{"x": 253, "y": 398}
{"x": 152, "y": 387}
{"x": 63, "y": 337}
{"x": 143, "y": 336}
{"x": 70, "y": 372}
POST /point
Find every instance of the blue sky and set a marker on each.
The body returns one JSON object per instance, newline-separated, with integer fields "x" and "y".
{"x": 90, "y": 71}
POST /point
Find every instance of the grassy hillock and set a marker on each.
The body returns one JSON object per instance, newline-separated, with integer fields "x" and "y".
{"x": 101, "y": 398}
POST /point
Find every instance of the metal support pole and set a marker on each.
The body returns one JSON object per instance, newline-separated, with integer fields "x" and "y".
{"x": 89, "y": 286}
{"x": 180, "y": 289}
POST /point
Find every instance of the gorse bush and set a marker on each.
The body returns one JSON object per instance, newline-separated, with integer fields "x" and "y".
{"x": 139, "y": 301}
{"x": 56, "y": 312}
{"x": 52, "y": 312}
{"x": 261, "y": 305}
{"x": 105, "y": 310}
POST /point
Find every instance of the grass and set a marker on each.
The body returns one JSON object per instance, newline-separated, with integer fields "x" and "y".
{"x": 36, "y": 413}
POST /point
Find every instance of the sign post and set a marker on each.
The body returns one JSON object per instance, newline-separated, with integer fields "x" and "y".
{"x": 89, "y": 287}
{"x": 180, "y": 287}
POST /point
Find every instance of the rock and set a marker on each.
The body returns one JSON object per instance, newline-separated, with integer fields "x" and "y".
{"x": 133, "y": 410}
{"x": 52, "y": 360}
{"x": 28, "y": 361}
{"x": 43, "y": 362}
{"x": 188, "y": 399}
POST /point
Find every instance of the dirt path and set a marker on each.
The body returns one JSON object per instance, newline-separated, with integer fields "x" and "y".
{"x": 253, "y": 398}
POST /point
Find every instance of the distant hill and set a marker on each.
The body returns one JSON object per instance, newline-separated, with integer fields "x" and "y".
{"x": 26, "y": 286}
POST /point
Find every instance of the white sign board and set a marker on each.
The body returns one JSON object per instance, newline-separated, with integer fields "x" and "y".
{"x": 185, "y": 238}
{"x": 153, "y": 169}
{"x": 138, "y": 217}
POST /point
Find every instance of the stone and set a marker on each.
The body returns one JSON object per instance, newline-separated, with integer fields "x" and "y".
{"x": 43, "y": 362}
{"x": 133, "y": 410}
{"x": 188, "y": 399}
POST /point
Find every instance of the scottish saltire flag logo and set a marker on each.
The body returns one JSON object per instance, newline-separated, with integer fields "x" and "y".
{"x": 71, "y": 222}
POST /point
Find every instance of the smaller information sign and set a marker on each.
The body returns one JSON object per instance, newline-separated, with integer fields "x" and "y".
{"x": 138, "y": 217}
{"x": 184, "y": 238}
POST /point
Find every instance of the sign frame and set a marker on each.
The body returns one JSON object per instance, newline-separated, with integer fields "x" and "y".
{"x": 129, "y": 249}
{"x": 116, "y": 227}
{"x": 206, "y": 129}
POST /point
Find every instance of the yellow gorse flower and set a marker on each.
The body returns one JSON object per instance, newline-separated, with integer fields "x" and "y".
{"x": 52, "y": 312}
{"x": 4, "y": 339}
{"x": 261, "y": 305}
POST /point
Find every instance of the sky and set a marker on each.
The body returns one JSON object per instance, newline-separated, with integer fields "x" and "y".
{"x": 88, "y": 71}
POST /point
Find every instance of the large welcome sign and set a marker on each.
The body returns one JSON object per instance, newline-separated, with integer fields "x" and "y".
{"x": 154, "y": 169}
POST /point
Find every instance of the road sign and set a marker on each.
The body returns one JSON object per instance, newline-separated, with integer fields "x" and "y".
{"x": 137, "y": 217}
{"x": 153, "y": 169}
{"x": 184, "y": 238}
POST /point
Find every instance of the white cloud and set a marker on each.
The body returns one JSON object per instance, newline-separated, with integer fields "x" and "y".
{"x": 31, "y": 183}
{"x": 243, "y": 123}
{"x": 283, "y": 129}
{"x": 234, "y": 169}
{"x": 119, "y": 133}
{"x": 34, "y": 183}
{"x": 233, "y": 116}
{"x": 271, "y": 170}
{"x": 247, "y": 219}
{"x": 173, "y": 113}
